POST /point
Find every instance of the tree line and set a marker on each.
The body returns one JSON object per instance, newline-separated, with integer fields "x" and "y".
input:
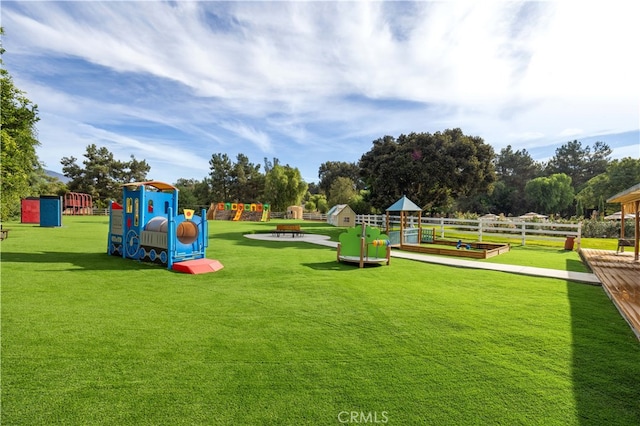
{"x": 448, "y": 172}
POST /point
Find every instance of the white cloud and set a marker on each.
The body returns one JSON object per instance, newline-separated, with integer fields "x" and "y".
{"x": 327, "y": 77}
{"x": 258, "y": 138}
{"x": 572, "y": 132}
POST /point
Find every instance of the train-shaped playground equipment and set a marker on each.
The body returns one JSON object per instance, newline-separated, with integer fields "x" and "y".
{"x": 146, "y": 227}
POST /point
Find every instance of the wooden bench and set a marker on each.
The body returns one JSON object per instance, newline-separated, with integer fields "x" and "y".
{"x": 622, "y": 243}
{"x": 294, "y": 230}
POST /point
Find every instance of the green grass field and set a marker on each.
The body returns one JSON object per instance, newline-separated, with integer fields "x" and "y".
{"x": 284, "y": 335}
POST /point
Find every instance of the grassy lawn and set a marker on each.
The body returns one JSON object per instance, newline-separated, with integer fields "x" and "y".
{"x": 284, "y": 335}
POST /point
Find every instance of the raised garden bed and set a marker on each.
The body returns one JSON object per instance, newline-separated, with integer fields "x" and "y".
{"x": 475, "y": 251}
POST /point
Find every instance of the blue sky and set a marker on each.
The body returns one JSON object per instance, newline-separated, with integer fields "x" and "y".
{"x": 310, "y": 82}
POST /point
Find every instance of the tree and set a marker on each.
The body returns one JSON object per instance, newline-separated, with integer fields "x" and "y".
{"x": 186, "y": 198}
{"x": 202, "y": 192}
{"x": 194, "y": 194}
{"x": 313, "y": 189}
{"x": 620, "y": 175}
{"x": 132, "y": 171}
{"x": 322, "y": 205}
{"x": 102, "y": 175}
{"x": 342, "y": 191}
{"x": 580, "y": 164}
{"x": 268, "y": 165}
{"x": 284, "y": 187}
{"x": 318, "y": 202}
{"x": 235, "y": 182}
{"x": 513, "y": 171}
{"x": 550, "y": 194}
{"x": 221, "y": 178}
{"x": 247, "y": 181}
{"x": 431, "y": 169}
{"x": 360, "y": 205}
{"x": 18, "y": 140}
{"x": 331, "y": 170}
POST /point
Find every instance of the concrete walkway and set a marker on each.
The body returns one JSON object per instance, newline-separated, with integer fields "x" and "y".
{"x": 582, "y": 277}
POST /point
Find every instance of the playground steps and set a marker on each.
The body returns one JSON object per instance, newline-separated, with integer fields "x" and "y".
{"x": 198, "y": 266}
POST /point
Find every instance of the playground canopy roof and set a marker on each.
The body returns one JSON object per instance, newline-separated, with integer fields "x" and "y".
{"x": 628, "y": 198}
{"x": 404, "y": 205}
{"x": 630, "y": 202}
{"x": 160, "y": 186}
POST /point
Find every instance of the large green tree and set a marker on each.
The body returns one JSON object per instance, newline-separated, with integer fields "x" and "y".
{"x": 578, "y": 162}
{"x": 317, "y": 202}
{"x": 550, "y": 195}
{"x": 194, "y": 194}
{"x": 240, "y": 182}
{"x": 513, "y": 170}
{"x": 332, "y": 170}
{"x": 342, "y": 191}
{"x": 431, "y": 169}
{"x": 620, "y": 175}
{"x": 101, "y": 175}
{"x": 221, "y": 169}
{"x": 248, "y": 183}
{"x": 18, "y": 140}
{"x": 284, "y": 187}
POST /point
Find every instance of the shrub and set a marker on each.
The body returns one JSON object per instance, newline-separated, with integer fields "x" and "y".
{"x": 593, "y": 228}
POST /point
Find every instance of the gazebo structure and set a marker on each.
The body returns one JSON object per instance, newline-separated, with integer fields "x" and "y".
{"x": 406, "y": 233}
{"x": 630, "y": 203}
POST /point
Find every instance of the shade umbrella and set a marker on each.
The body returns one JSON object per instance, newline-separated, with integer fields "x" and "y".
{"x": 489, "y": 216}
{"x": 532, "y": 215}
{"x": 618, "y": 216}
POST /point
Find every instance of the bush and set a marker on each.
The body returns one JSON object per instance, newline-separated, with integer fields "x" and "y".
{"x": 593, "y": 228}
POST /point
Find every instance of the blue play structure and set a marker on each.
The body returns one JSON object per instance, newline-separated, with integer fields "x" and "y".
{"x": 146, "y": 227}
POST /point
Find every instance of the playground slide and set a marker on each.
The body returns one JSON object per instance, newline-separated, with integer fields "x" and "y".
{"x": 238, "y": 214}
{"x": 265, "y": 215}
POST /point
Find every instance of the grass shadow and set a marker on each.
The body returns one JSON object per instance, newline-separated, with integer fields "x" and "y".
{"x": 42, "y": 261}
{"x": 327, "y": 266}
{"x": 576, "y": 265}
{"x": 605, "y": 359}
{"x": 339, "y": 266}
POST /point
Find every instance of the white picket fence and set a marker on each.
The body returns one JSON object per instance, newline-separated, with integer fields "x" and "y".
{"x": 480, "y": 228}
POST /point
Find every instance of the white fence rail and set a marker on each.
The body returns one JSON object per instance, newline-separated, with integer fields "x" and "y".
{"x": 480, "y": 228}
